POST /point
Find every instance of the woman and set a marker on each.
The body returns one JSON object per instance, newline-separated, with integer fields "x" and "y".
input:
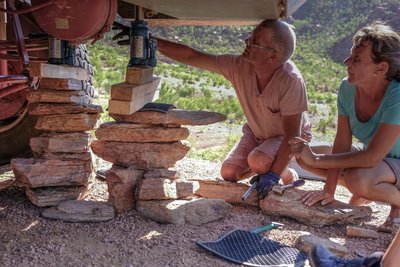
{"x": 369, "y": 110}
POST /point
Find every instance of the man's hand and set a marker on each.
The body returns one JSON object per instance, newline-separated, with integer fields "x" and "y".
{"x": 313, "y": 197}
{"x": 265, "y": 183}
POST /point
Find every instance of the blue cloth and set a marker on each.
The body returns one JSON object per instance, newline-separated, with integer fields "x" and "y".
{"x": 388, "y": 112}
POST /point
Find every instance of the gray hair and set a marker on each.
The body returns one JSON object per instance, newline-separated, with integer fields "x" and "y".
{"x": 283, "y": 35}
{"x": 385, "y": 46}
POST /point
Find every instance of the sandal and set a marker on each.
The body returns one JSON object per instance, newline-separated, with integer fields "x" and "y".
{"x": 391, "y": 225}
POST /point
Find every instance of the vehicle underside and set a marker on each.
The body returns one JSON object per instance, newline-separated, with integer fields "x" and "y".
{"x": 53, "y": 31}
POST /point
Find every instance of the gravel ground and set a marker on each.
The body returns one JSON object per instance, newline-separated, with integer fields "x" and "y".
{"x": 27, "y": 239}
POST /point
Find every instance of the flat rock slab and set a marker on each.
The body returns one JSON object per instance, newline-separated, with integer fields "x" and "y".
{"x": 60, "y": 84}
{"x": 54, "y": 195}
{"x": 76, "y": 142}
{"x": 67, "y": 123}
{"x": 162, "y": 173}
{"x": 80, "y": 211}
{"x": 42, "y": 172}
{"x": 290, "y": 205}
{"x": 228, "y": 191}
{"x": 307, "y": 241}
{"x": 142, "y": 155}
{"x": 86, "y": 156}
{"x": 41, "y": 109}
{"x": 142, "y": 133}
{"x": 54, "y": 96}
{"x": 173, "y": 116}
{"x": 195, "y": 212}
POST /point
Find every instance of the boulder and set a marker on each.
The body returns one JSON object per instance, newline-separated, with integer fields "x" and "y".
{"x": 195, "y": 212}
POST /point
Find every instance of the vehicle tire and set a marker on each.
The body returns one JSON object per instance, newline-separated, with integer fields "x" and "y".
{"x": 15, "y": 134}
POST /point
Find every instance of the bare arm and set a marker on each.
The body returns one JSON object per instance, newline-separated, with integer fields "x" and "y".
{"x": 187, "y": 55}
{"x": 342, "y": 143}
{"x": 383, "y": 140}
{"x": 291, "y": 128}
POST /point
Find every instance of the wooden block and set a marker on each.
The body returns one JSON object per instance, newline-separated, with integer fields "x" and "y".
{"x": 129, "y": 92}
{"x": 129, "y": 107}
{"x": 137, "y": 75}
{"x": 45, "y": 70}
{"x": 60, "y": 84}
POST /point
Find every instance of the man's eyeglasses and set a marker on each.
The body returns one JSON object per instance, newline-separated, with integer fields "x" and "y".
{"x": 251, "y": 42}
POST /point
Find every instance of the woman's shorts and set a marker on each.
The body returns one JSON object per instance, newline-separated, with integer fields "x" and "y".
{"x": 393, "y": 163}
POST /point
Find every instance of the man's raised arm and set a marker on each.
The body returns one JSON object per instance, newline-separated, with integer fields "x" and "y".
{"x": 187, "y": 55}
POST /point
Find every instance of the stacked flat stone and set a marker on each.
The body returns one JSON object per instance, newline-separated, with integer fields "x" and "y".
{"x": 62, "y": 167}
{"x": 144, "y": 147}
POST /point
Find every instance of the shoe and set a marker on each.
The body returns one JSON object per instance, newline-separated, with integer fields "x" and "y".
{"x": 322, "y": 257}
{"x": 391, "y": 225}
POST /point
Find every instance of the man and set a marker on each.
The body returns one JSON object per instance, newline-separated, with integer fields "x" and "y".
{"x": 273, "y": 97}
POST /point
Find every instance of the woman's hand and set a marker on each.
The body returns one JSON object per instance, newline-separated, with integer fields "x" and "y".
{"x": 313, "y": 197}
{"x": 301, "y": 150}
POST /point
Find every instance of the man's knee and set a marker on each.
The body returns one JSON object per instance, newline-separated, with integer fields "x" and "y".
{"x": 230, "y": 172}
{"x": 259, "y": 162}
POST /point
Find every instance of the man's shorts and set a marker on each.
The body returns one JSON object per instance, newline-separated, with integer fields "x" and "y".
{"x": 393, "y": 163}
{"x": 248, "y": 142}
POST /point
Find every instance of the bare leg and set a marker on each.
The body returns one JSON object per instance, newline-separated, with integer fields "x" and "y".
{"x": 375, "y": 184}
{"x": 391, "y": 258}
{"x": 233, "y": 173}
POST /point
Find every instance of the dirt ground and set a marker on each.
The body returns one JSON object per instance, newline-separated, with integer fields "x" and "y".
{"x": 27, "y": 239}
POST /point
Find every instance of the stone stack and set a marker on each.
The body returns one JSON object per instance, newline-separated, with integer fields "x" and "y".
{"x": 144, "y": 147}
{"x": 62, "y": 168}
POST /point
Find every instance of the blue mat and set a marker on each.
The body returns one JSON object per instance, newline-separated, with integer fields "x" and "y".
{"x": 250, "y": 249}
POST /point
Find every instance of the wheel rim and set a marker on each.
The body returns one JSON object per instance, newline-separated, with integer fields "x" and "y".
{"x": 21, "y": 115}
